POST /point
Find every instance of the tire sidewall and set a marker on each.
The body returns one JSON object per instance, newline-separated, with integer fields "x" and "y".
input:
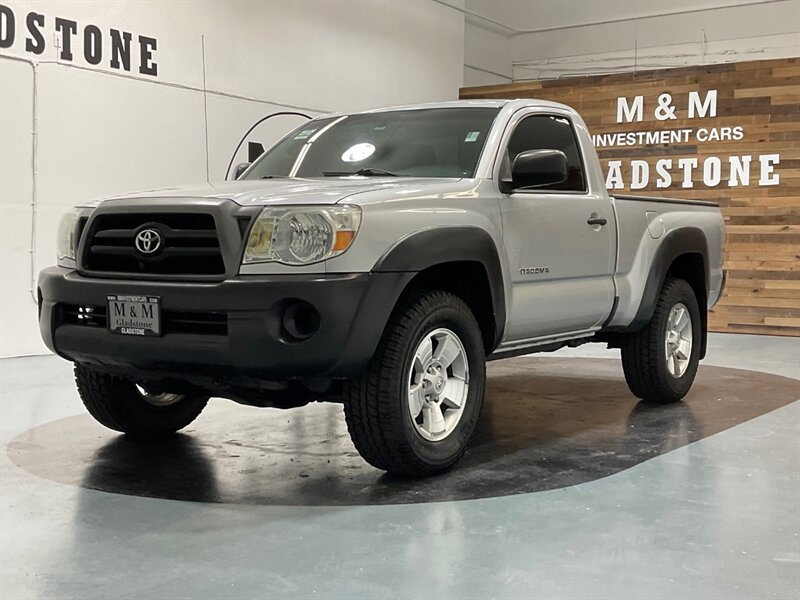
{"x": 447, "y": 451}
{"x": 681, "y": 293}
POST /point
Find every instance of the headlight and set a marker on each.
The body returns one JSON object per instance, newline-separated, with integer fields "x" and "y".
{"x": 68, "y": 234}
{"x": 300, "y": 235}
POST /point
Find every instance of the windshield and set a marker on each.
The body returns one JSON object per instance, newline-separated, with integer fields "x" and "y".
{"x": 436, "y": 142}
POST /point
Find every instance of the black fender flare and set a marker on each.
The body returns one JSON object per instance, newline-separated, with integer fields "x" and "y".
{"x": 687, "y": 240}
{"x": 431, "y": 247}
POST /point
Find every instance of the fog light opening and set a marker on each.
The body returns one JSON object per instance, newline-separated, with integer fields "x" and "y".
{"x": 300, "y": 322}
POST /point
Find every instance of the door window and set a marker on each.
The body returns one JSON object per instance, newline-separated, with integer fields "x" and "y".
{"x": 546, "y": 132}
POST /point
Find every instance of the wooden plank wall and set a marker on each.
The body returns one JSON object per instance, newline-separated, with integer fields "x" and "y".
{"x": 762, "y": 252}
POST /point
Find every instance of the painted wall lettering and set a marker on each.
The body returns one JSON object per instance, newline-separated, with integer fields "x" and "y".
{"x": 712, "y": 171}
{"x": 8, "y": 27}
{"x": 118, "y": 49}
{"x": 685, "y": 171}
{"x": 633, "y": 111}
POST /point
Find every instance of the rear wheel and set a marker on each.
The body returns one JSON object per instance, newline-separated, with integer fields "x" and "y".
{"x": 660, "y": 361}
{"x": 122, "y": 405}
{"x": 415, "y": 409}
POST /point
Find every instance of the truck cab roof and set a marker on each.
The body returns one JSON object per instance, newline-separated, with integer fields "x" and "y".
{"x": 512, "y": 105}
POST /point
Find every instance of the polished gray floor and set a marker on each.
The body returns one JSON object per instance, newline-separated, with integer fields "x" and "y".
{"x": 716, "y": 518}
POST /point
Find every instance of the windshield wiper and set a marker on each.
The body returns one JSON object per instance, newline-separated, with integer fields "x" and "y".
{"x": 366, "y": 172}
{"x": 273, "y": 177}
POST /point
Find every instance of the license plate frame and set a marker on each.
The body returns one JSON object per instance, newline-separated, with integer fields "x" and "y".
{"x": 132, "y": 314}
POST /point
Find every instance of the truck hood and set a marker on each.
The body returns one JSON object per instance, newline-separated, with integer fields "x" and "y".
{"x": 327, "y": 190}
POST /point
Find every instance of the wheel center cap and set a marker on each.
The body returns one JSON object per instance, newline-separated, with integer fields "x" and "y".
{"x": 438, "y": 383}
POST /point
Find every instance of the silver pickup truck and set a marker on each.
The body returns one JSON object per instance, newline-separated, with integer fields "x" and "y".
{"x": 378, "y": 259}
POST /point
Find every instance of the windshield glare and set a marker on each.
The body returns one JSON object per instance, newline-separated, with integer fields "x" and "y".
{"x": 436, "y": 142}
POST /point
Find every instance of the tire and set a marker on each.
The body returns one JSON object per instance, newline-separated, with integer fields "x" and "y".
{"x": 649, "y": 373}
{"x": 378, "y": 404}
{"x": 118, "y": 404}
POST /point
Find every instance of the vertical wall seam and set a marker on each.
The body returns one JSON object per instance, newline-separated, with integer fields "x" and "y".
{"x": 34, "y": 181}
{"x": 34, "y": 169}
{"x": 205, "y": 103}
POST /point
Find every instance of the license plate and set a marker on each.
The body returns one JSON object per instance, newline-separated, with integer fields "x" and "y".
{"x": 134, "y": 315}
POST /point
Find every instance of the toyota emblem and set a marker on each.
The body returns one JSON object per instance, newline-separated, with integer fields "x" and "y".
{"x": 148, "y": 241}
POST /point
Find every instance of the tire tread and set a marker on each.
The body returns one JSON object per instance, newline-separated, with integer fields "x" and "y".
{"x": 642, "y": 351}
{"x": 372, "y": 419}
{"x": 114, "y": 403}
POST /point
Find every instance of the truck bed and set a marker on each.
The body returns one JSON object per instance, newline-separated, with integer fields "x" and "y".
{"x": 663, "y": 199}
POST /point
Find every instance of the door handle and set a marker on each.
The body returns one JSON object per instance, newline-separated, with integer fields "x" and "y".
{"x": 597, "y": 221}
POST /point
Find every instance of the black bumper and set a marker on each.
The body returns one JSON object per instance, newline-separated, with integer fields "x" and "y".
{"x": 353, "y": 310}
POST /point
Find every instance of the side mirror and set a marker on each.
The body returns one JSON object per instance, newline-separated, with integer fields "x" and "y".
{"x": 539, "y": 168}
{"x": 240, "y": 168}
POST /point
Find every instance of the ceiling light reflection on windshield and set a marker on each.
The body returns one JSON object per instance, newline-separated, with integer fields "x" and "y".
{"x": 358, "y": 152}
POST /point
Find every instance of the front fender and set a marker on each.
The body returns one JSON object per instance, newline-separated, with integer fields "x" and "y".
{"x": 440, "y": 245}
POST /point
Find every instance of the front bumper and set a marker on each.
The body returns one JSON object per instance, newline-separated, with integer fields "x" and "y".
{"x": 353, "y": 310}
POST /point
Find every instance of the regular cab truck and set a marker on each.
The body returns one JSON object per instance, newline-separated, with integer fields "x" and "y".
{"x": 378, "y": 260}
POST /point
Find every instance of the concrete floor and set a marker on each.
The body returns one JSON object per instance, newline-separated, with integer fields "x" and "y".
{"x": 713, "y": 516}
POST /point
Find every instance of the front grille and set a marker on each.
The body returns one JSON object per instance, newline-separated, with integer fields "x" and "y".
{"x": 189, "y": 244}
{"x": 189, "y": 322}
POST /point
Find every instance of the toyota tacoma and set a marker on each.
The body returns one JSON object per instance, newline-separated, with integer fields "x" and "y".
{"x": 378, "y": 260}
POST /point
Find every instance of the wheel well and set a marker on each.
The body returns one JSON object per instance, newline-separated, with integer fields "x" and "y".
{"x": 692, "y": 269}
{"x": 469, "y": 281}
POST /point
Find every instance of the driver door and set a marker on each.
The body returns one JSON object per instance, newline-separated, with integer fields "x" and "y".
{"x": 561, "y": 264}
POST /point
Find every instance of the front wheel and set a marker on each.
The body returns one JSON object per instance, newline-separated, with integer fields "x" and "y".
{"x": 122, "y": 405}
{"x": 415, "y": 409}
{"x": 660, "y": 361}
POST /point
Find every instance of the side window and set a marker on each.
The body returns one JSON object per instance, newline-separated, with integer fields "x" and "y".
{"x": 545, "y": 132}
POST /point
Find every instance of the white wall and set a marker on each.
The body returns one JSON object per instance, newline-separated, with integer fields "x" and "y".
{"x": 101, "y": 132}
{"x": 487, "y": 54}
{"x": 543, "y": 39}
{"x": 729, "y": 34}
